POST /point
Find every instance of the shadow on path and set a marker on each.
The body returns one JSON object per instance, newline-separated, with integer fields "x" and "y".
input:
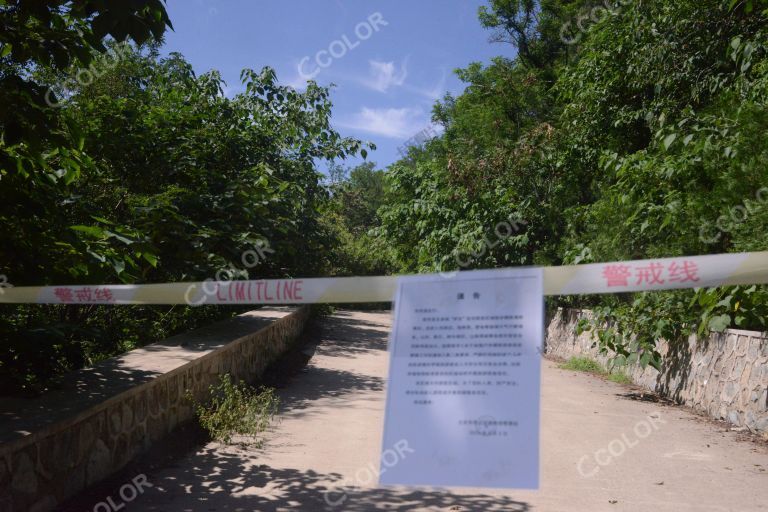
{"x": 217, "y": 478}
{"x": 323, "y": 383}
{"x": 343, "y": 335}
{"x": 227, "y": 482}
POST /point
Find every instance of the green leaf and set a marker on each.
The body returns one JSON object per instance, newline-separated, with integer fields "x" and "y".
{"x": 102, "y": 220}
{"x": 725, "y": 303}
{"x": 119, "y": 266}
{"x": 126, "y": 241}
{"x": 93, "y": 231}
{"x": 99, "y": 257}
{"x": 719, "y": 323}
{"x": 669, "y": 140}
{"x": 150, "y": 258}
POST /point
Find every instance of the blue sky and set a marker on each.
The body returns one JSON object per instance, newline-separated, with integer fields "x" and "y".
{"x": 390, "y": 60}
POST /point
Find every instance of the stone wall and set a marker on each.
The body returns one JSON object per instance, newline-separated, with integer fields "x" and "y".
{"x": 102, "y": 417}
{"x": 724, "y": 376}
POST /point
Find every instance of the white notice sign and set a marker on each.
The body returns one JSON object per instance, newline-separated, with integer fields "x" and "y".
{"x": 464, "y": 380}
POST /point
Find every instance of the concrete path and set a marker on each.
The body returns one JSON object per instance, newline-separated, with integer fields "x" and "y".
{"x": 600, "y": 450}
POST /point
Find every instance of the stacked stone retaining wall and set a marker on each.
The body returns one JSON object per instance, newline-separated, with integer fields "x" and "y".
{"x": 55, "y": 446}
{"x": 724, "y": 375}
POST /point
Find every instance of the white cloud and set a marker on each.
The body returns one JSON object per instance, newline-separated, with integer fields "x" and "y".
{"x": 299, "y": 74}
{"x": 298, "y": 82}
{"x": 384, "y": 75}
{"x": 433, "y": 93}
{"x": 395, "y": 123}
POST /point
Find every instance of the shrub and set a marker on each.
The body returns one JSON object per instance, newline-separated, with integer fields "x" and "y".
{"x": 236, "y": 410}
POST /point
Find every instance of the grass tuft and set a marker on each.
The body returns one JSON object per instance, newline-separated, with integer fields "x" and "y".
{"x": 587, "y": 365}
{"x": 583, "y": 364}
{"x": 620, "y": 378}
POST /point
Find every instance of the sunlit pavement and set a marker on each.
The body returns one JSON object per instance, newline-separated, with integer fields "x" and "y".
{"x": 600, "y": 450}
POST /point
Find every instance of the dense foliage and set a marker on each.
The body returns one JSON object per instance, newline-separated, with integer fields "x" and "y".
{"x": 350, "y": 216}
{"x": 623, "y": 130}
{"x": 146, "y": 173}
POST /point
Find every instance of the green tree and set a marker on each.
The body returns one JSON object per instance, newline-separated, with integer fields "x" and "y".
{"x": 628, "y": 141}
{"x": 182, "y": 183}
{"x": 351, "y": 216}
